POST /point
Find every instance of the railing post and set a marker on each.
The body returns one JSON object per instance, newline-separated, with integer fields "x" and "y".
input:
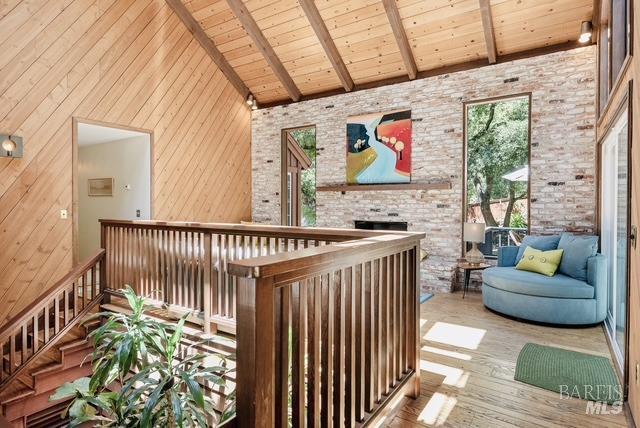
{"x": 206, "y": 292}
{"x": 102, "y": 286}
{"x": 415, "y": 344}
{"x": 255, "y": 352}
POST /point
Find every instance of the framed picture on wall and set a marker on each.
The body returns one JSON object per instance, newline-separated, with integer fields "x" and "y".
{"x": 101, "y": 187}
{"x": 379, "y": 148}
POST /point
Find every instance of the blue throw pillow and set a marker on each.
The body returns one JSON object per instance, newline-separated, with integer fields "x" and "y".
{"x": 577, "y": 250}
{"x": 542, "y": 243}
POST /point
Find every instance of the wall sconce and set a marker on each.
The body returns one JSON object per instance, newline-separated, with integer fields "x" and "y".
{"x": 11, "y": 146}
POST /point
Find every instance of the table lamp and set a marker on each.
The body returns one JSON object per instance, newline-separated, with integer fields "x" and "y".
{"x": 474, "y": 233}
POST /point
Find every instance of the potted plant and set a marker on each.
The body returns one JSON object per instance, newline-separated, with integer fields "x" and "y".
{"x": 144, "y": 377}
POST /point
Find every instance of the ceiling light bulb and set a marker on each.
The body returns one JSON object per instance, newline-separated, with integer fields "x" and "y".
{"x": 585, "y": 31}
{"x": 254, "y": 105}
{"x": 250, "y": 100}
{"x": 8, "y": 145}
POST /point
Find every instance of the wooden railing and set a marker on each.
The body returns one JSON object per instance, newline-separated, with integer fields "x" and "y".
{"x": 326, "y": 320}
{"x": 328, "y": 336}
{"x": 58, "y": 309}
{"x": 185, "y": 265}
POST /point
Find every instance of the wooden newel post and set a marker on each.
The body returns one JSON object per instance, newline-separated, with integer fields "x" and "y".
{"x": 255, "y": 350}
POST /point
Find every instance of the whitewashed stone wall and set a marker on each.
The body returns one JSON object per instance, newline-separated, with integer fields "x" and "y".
{"x": 563, "y": 191}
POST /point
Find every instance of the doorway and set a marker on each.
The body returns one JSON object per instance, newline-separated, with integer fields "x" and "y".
{"x": 615, "y": 193}
{"x": 112, "y": 170}
{"x": 298, "y": 178}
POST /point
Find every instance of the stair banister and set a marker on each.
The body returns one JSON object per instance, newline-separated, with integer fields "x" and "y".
{"x": 15, "y": 332}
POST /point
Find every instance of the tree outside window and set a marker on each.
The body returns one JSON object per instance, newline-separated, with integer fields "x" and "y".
{"x": 497, "y": 142}
{"x": 306, "y": 138}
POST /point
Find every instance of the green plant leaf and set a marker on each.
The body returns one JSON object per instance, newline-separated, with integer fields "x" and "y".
{"x": 176, "y": 405}
{"x": 152, "y": 401}
{"x": 80, "y": 409}
{"x": 71, "y": 389}
{"x": 176, "y": 336}
{"x": 132, "y": 298}
{"x": 194, "y": 389}
{"x": 198, "y": 414}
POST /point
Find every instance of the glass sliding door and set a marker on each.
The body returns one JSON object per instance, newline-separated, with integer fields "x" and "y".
{"x": 614, "y": 230}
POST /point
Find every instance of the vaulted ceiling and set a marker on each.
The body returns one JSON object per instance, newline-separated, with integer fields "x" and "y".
{"x": 283, "y": 50}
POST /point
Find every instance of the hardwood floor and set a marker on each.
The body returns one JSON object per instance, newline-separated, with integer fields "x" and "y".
{"x": 468, "y": 362}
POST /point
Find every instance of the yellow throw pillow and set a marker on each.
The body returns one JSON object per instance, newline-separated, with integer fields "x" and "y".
{"x": 544, "y": 262}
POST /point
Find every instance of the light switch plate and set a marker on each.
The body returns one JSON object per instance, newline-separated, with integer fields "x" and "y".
{"x": 64, "y": 214}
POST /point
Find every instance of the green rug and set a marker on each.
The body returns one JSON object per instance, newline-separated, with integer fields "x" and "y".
{"x": 568, "y": 373}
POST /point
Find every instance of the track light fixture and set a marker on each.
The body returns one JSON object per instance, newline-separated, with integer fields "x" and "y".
{"x": 254, "y": 105}
{"x": 250, "y": 100}
{"x": 585, "y": 32}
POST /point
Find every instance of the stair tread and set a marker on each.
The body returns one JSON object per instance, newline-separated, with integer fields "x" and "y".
{"x": 15, "y": 391}
{"x": 46, "y": 369}
{"x": 76, "y": 344}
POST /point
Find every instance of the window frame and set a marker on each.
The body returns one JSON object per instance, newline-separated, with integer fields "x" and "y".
{"x": 605, "y": 25}
{"x": 625, "y": 104}
{"x": 284, "y": 210}
{"x": 465, "y": 107}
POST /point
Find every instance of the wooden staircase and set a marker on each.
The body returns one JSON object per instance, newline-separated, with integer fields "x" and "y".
{"x": 25, "y": 400}
{"x": 45, "y": 344}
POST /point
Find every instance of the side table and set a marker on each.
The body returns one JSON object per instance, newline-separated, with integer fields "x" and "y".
{"x": 468, "y": 268}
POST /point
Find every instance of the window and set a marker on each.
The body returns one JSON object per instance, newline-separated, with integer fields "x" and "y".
{"x": 306, "y": 138}
{"x": 497, "y": 135}
{"x": 603, "y": 70}
{"x": 299, "y": 176}
{"x": 614, "y": 46}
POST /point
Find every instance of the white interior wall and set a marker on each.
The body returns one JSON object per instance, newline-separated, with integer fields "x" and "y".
{"x": 128, "y": 161}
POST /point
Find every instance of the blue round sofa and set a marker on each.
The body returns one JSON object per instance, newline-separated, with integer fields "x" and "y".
{"x": 559, "y": 299}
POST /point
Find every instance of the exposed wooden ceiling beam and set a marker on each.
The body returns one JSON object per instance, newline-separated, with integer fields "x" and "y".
{"x": 455, "y": 68}
{"x": 242, "y": 13}
{"x": 320, "y": 28}
{"x": 489, "y": 33}
{"x": 401, "y": 37}
{"x": 208, "y": 45}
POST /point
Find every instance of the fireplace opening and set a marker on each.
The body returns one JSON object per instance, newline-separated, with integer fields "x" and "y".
{"x": 381, "y": 225}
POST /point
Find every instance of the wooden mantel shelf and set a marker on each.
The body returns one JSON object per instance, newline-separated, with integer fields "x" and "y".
{"x": 443, "y": 185}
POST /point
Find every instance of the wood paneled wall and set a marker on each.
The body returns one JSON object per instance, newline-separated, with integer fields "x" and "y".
{"x": 130, "y": 62}
{"x": 632, "y": 74}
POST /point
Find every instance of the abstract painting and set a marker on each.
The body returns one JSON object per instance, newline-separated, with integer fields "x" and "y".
{"x": 379, "y": 148}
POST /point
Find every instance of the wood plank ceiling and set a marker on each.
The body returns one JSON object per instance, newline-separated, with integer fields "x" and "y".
{"x": 286, "y": 50}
